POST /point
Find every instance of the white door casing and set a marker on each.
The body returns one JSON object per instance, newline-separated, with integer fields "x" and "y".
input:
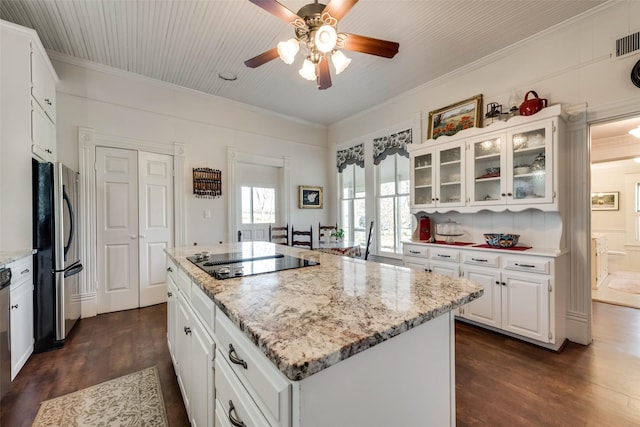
{"x": 155, "y": 228}
{"x": 117, "y": 229}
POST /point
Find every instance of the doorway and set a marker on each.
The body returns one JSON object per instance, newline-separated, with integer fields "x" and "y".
{"x": 615, "y": 215}
{"x": 258, "y": 195}
{"x": 134, "y": 218}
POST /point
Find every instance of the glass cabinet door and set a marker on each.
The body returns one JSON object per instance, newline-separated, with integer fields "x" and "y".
{"x": 450, "y": 176}
{"x": 487, "y": 165}
{"x": 423, "y": 178}
{"x": 531, "y": 153}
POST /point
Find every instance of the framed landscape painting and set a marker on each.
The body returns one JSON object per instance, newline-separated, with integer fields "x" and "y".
{"x": 604, "y": 201}
{"x": 455, "y": 117}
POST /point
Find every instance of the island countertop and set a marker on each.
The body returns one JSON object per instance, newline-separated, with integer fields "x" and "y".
{"x": 307, "y": 319}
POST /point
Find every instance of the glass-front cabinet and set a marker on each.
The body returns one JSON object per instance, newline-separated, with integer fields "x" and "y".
{"x": 487, "y": 168}
{"x": 438, "y": 176}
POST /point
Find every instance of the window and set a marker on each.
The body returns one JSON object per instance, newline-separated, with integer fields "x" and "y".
{"x": 352, "y": 204}
{"x": 394, "y": 214}
{"x": 258, "y": 205}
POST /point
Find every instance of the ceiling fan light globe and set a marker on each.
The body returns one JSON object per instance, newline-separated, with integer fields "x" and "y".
{"x": 308, "y": 70}
{"x": 288, "y": 50}
{"x": 340, "y": 61}
{"x": 635, "y": 132}
{"x": 326, "y": 38}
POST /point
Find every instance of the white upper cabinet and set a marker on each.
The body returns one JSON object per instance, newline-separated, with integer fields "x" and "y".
{"x": 43, "y": 83}
{"x": 509, "y": 166}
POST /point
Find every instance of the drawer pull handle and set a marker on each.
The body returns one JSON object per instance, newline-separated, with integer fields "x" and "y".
{"x": 234, "y": 357}
{"x": 443, "y": 256}
{"x": 525, "y": 265}
{"x": 25, "y": 271}
{"x": 414, "y": 252}
{"x": 479, "y": 260}
{"x": 169, "y": 294}
{"x": 233, "y": 417}
{"x": 14, "y": 306}
{"x": 187, "y": 330}
{"x": 170, "y": 270}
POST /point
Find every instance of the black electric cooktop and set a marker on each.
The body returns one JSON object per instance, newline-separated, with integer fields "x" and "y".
{"x": 236, "y": 264}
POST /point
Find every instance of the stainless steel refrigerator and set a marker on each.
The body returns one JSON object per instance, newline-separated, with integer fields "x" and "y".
{"x": 57, "y": 262}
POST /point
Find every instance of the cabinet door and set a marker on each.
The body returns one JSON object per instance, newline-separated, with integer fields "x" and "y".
{"x": 525, "y": 305}
{"x": 201, "y": 394}
{"x": 43, "y": 84}
{"x": 423, "y": 178}
{"x": 172, "y": 296}
{"x": 450, "y": 175}
{"x": 21, "y": 314}
{"x": 43, "y": 134}
{"x": 183, "y": 344}
{"x": 486, "y": 309}
{"x": 487, "y": 167}
{"x": 530, "y": 151}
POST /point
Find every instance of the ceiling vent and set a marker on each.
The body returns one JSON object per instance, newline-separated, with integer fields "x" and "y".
{"x": 627, "y": 45}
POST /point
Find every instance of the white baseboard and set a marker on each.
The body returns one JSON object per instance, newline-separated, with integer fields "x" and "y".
{"x": 88, "y": 305}
{"x": 578, "y": 328}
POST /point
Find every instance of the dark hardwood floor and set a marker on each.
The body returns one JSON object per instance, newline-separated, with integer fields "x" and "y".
{"x": 499, "y": 381}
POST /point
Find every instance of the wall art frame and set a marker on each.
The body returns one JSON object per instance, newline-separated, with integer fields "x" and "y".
{"x": 605, "y": 201}
{"x": 453, "y": 118}
{"x": 309, "y": 197}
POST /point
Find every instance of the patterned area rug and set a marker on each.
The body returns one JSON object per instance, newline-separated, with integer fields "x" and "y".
{"x": 131, "y": 400}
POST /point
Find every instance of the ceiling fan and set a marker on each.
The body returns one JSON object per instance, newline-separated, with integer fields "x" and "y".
{"x": 316, "y": 30}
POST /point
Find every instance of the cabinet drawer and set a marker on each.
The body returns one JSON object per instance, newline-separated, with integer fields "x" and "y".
{"x": 533, "y": 265}
{"x": 481, "y": 258}
{"x": 229, "y": 392}
{"x": 21, "y": 270}
{"x": 203, "y": 306}
{"x": 269, "y": 386}
{"x": 415, "y": 250}
{"x": 447, "y": 255}
{"x": 184, "y": 283}
{"x": 414, "y": 262}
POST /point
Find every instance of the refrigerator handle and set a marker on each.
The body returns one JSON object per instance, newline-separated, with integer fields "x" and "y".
{"x": 71, "y": 224}
{"x": 73, "y": 269}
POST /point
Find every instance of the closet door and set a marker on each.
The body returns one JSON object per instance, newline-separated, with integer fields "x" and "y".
{"x": 155, "y": 232}
{"x": 117, "y": 229}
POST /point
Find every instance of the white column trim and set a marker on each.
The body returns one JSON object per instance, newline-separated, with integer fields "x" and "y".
{"x": 88, "y": 140}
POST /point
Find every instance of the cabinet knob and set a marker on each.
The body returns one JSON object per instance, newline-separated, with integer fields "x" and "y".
{"x": 187, "y": 330}
{"x": 169, "y": 294}
{"x": 14, "y": 306}
{"x": 509, "y": 194}
{"x": 170, "y": 270}
{"x": 234, "y": 357}
{"x": 497, "y": 282}
{"x": 233, "y": 416}
{"x": 503, "y": 194}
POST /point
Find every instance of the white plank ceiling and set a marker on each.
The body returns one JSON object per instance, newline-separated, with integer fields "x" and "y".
{"x": 189, "y": 42}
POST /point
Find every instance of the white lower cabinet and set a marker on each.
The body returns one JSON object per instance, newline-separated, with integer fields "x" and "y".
{"x": 193, "y": 351}
{"x": 21, "y": 313}
{"x": 521, "y": 292}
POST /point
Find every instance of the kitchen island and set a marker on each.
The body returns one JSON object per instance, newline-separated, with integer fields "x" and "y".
{"x": 343, "y": 343}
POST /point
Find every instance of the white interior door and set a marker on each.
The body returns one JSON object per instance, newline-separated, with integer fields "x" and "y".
{"x": 117, "y": 229}
{"x": 155, "y": 233}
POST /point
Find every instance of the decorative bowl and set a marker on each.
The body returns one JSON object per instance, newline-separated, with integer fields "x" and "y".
{"x": 498, "y": 240}
{"x": 493, "y": 170}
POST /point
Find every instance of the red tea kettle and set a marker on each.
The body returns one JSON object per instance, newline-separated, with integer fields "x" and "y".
{"x": 533, "y": 105}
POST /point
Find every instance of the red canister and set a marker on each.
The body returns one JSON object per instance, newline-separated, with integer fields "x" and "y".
{"x": 424, "y": 228}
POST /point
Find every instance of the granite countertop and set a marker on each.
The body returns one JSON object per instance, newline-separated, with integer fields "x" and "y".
{"x": 307, "y": 319}
{"x": 7, "y": 257}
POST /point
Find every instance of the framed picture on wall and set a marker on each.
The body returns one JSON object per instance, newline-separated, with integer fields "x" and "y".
{"x": 455, "y": 117}
{"x": 605, "y": 201}
{"x": 309, "y": 197}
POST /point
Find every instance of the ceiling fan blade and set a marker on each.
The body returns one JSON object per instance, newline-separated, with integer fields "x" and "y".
{"x": 338, "y": 8}
{"x": 277, "y": 10}
{"x": 369, "y": 45}
{"x": 263, "y": 58}
{"x": 323, "y": 74}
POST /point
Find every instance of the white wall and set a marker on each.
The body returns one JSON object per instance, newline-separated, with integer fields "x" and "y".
{"x": 126, "y": 105}
{"x": 617, "y": 225}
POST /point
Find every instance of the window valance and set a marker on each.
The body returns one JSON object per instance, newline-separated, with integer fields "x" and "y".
{"x": 351, "y": 156}
{"x": 391, "y": 144}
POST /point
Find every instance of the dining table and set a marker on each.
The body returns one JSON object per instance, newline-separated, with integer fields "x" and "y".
{"x": 339, "y": 247}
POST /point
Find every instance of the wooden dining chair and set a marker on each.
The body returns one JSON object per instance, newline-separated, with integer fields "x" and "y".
{"x": 302, "y": 238}
{"x": 324, "y": 232}
{"x": 366, "y": 251}
{"x": 279, "y": 234}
